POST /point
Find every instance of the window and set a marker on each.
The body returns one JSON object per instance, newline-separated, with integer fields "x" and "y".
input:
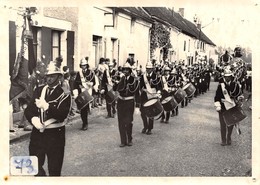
{"x": 55, "y": 44}
{"x": 184, "y": 49}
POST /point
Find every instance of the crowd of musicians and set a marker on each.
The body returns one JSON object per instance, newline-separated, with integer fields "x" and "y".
{"x": 131, "y": 86}
{"x": 154, "y": 91}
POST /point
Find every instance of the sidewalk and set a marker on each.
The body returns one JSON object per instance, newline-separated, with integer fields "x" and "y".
{"x": 20, "y": 134}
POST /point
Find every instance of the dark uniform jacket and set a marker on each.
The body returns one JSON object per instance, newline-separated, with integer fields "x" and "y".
{"x": 154, "y": 82}
{"x": 233, "y": 89}
{"x": 89, "y": 76}
{"x": 59, "y": 107}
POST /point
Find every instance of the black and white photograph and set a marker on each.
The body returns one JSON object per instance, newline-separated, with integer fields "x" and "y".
{"x": 130, "y": 92}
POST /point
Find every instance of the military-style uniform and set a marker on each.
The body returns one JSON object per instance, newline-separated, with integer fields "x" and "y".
{"x": 233, "y": 90}
{"x": 51, "y": 141}
{"x": 154, "y": 82}
{"x": 89, "y": 77}
{"x": 127, "y": 88}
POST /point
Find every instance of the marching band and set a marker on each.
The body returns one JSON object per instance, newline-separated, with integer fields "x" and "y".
{"x": 156, "y": 91}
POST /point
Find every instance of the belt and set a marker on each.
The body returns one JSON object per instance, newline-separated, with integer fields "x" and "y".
{"x": 49, "y": 124}
{"x": 126, "y": 98}
{"x": 55, "y": 125}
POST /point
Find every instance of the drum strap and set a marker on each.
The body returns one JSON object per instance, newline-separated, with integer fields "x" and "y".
{"x": 109, "y": 78}
{"x": 147, "y": 84}
{"x": 165, "y": 85}
{"x": 228, "y": 102}
{"x": 42, "y": 98}
{"x": 83, "y": 80}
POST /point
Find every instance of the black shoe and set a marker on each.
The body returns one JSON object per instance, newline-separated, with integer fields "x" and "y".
{"x": 85, "y": 128}
{"x": 149, "y": 132}
{"x": 223, "y": 144}
{"x": 162, "y": 121}
{"x": 166, "y": 121}
{"x": 122, "y": 145}
{"x": 144, "y": 130}
{"x": 229, "y": 142}
{"x": 130, "y": 143}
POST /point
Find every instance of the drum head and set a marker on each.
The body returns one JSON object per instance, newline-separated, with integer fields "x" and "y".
{"x": 165, "y": 100}
{"x": 150, "y": 102}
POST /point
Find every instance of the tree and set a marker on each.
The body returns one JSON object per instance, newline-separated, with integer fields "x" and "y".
{"x": 160, "y": 38}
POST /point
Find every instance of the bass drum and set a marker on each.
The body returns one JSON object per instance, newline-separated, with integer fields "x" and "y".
{"x": 169, "y": 103}
{"x": 234, "y": 115}
{"x": 152, "y": 108}
{"x": 83, "y": 99}
{"x": 189, "y": 89}
{"x": 179, "y": 95}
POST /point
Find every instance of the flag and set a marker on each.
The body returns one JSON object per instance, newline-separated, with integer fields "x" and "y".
{"x": 21, "y": 69}
{"x": 19, "y": 78}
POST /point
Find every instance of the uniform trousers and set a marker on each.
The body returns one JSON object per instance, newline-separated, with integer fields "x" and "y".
{"x": 84, "y": 115}
{"x": 125, "y": 112}
{"x": 50, "y": 143}
{"x": 147, "y": 122}
{"x": 111, "y": 108}
{"x": 166, "y": 115}
{"x": 225, "y": 130}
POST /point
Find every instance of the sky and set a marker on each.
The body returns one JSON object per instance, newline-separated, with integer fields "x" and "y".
{"x": 235, "y": 22}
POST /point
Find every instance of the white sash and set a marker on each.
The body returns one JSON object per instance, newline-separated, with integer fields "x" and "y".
{"x": 84, "y": 83}
{"x": 149, "y": 91}
{"x": 109, "y": 78}
{"x": 165, "y": 85}
{"x": 228, "y": 102}
{"x": 48, "y": 122}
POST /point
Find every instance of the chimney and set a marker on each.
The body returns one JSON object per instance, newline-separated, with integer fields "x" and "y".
{"x": 181, "y": 11}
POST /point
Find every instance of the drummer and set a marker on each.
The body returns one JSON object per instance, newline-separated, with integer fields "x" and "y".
{"x": 85, "y": 80}
{"x": 128, "y": 92}
{"x": 173, "y": 86}
{"x": 148, "y": 90}
{"x": 167, "y": 78}
{"x": 228, "y": 95}
{"x": 106, "y": 85}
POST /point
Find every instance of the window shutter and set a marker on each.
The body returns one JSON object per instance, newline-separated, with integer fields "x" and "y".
{"x": 46, "y": 44}
{"x": 12, "y": 45}
{"x": 70, "y": 50}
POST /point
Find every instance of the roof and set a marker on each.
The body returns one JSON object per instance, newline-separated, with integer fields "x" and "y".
{"x": 136, "y": 12}
{"x": 166, "y": 16}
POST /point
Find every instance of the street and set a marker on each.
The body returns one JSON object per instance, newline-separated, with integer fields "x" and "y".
{"x": 188, "y": 146}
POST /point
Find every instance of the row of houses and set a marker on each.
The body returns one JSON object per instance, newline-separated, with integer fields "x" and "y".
{"x": 143, "y": 33}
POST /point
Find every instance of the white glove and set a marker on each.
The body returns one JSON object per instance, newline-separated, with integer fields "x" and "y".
{"x": 217, "y": 106}
{"x": 102, "y": 91}
{"x": 37, "y": 123}
{"x": 42, "y": 104}
{"x": 137, "y": 111}
{"x": 218, "y": 109}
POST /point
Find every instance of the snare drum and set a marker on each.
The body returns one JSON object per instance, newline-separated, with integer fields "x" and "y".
{"x": 111, "y": 96}
{"x": 169, "y": 103}
{"x": 189, "y": 89}
{"x": 179, "y": 95}
{"x": 152, "y": 108}
{"x": 234, "y": 115}
{"x": 83, "y": 99}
